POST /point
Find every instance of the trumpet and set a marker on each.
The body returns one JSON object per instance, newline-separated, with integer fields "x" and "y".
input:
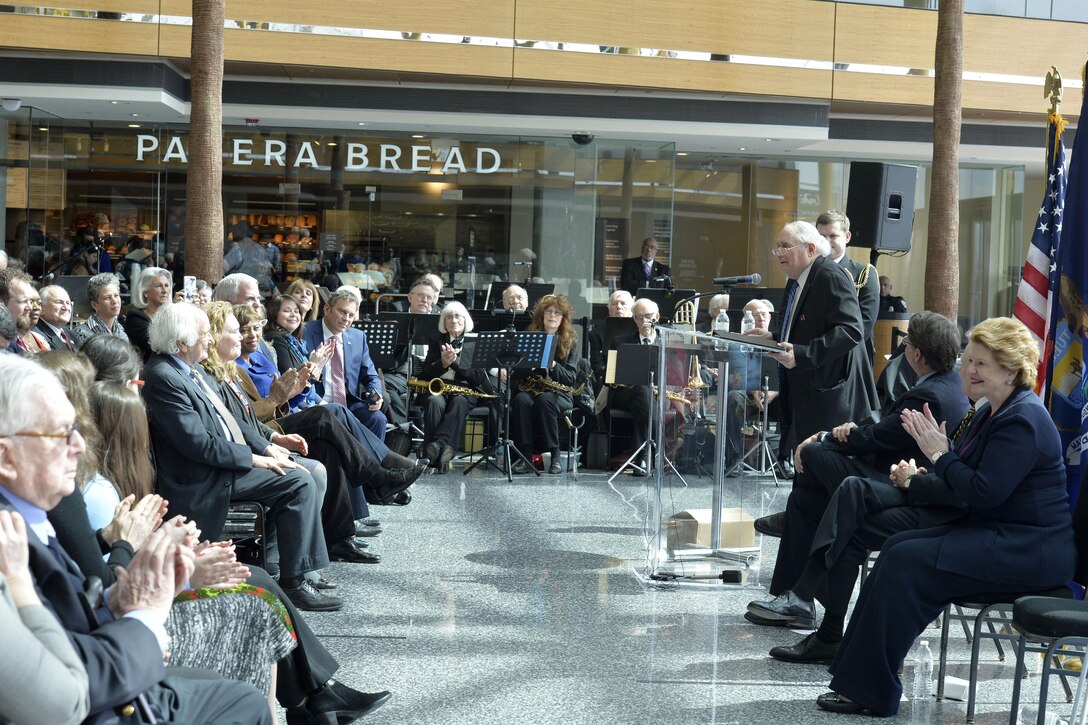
{"x": 537, "y": 384}
{"x": 438, "y": 386}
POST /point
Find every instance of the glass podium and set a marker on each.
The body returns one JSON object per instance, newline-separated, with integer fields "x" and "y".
{"x": 698, "y": 510}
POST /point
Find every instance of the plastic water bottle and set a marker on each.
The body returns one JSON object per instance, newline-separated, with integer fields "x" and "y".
{"x": 748, "y": 323}
{"x": 721, "y": 323}
{"x": 921, "y": 701}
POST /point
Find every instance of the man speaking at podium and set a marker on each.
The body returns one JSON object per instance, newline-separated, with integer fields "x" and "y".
{"x": 825, "y": 373}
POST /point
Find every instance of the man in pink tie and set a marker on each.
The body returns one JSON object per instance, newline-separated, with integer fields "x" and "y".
{"x": 56, "y": 316}
{"x": 350, "y": 378}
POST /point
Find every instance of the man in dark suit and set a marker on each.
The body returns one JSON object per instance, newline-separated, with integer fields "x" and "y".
{"x": 835, "y": 228}
{"x": 205, "y": 458}
{"x": 350, "y": 378}
{"x": 639, "y": 272}
{"x": 638, "y": 399}
{"x": 56, "y": 316}
{"x": 826, "y": 459}
{"x": 826, "y": 376}
{"x": 121, "y": 643}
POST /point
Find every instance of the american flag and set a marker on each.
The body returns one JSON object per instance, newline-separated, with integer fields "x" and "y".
{"x": 1039, "y": 284}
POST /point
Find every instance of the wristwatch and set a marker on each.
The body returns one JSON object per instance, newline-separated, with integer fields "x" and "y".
{"x": 935, "y": 455}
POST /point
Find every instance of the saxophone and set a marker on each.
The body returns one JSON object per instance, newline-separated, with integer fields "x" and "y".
{"x": 438, "y": 386}
{"x": 671, "y": 395}
{"x": 537, "y": 384}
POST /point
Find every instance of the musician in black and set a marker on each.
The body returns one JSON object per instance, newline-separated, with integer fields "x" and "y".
{"x": 445, "y": 413}
{"x": 544, "y": 394}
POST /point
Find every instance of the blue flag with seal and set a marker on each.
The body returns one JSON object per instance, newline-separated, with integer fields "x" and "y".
{"x": 1067, "y": 378}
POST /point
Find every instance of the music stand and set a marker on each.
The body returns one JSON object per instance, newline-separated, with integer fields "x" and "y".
{"x": 636, "y": 365}
{"x": 500, "y": 319}
{"x": 666, "y": 299}
{"x": 537, "y": 290}
{"x": 510, "y": 351}
{"x": 768, "y": 372}
{"x": 381, "y": 339}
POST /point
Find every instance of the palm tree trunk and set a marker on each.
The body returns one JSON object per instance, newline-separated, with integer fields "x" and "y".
{"x": 204, "y": 182}
{"x": 942, "y": 254}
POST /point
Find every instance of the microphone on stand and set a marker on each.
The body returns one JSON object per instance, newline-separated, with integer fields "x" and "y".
{"x": 754, "y": 278}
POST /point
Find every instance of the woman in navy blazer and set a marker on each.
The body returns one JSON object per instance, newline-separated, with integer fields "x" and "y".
{"x": 1016, "y": 537}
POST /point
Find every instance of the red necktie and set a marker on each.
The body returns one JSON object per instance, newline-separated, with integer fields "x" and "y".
{"x": 67, "y": 341}
{"x": 336, "y": 372}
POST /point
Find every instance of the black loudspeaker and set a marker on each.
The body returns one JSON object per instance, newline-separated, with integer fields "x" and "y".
{"x": 880, "y": 204}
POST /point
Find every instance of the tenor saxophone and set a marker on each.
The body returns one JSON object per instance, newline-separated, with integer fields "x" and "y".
{"x": 669, "y": 394}
{"x": 537, "y": 384}
{"x": 438, "y": 386}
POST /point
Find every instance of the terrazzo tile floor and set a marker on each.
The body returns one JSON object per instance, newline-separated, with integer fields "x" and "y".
{"x": 500, "y": 602}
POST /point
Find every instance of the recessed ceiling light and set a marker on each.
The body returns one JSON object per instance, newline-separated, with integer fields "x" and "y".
{"x": 114, "y": 103}
{"x": 134, "y": 125}
{"x": 362, "y": 123}
{"x": 418, "y": 135}
{"x": 331, "y": 143}
{"x": 42, "y": 128}
{"x": 772, "y": 139}
{"x": 135, "y": 115}
{"x": 681, "y": 153}
{"x": 742, "y": 148}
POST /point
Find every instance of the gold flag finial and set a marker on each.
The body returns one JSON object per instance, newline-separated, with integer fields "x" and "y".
{"x": 1052, "y": 88}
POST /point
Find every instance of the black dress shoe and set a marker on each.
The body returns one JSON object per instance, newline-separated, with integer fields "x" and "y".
{"x": 444, "y": 459}
{"x": 784, "y": 469}
{"x": 305, "y": 597}
{"x": 520, "y": 467}
{"x": 431, "y": 452}
{"x": 788, "y": 607}
{"x": 830, "y": 701}
{"x": 336, "y": 702}
{"x": 366, "y": 531}
{"x": 347, "y": 551}
{"x": 401, "y": 499}
{"x": 809, "y": 650}
{"x": 369, "y": 521}
{"x": 322, "y": 584}
{"x": 399, "y": 479}
{"x": 554, "y": 467}
{"x": 763, "y": 621}
{"x": 773, "y": 525}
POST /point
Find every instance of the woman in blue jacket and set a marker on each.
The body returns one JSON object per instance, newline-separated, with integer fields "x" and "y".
{"x": 1016, "y": 537}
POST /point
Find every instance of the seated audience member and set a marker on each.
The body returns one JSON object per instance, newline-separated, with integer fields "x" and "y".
{"x": 241, "y": 289}
{"x": 104, "y": 295}
{"x": 350, "y": 378}
{"x": 33, "y": 340}
{"x": 825, "y": 459}
{"x": 46, "y": 684}
{"x": 200, "y": 447}
{"x": 888, "y": 301}
{"x": 55, "y": 318}
{"x": 515, "y": 297}
{"x": 1018, "y": 536}
{"x": 444, "y": 414}
{"x": 16, "y": 289}
{"x": 302, "y": 674}
{"x": 717, "y": 303}
{"x": 283, "y": 332}
{"x": 309, "y": 300}
{"x": 337, "y": 521}
{"x": 862, "y": 515}
{"x": 152, "y": 293}
{"x": 8, "y": 331}
{"x": 122, "y": 643}
{"x": 537, "y": 408}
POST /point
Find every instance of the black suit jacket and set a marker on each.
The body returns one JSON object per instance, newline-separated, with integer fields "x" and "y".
{"x": 868, "y": 297}
{"x": 54, "y": 340}
{"x": 886, "y": 442}
{"x": 833, "y": 379}
{"x": 633, "y": 274}
{"x": 122, "y": 656}
{"x": 195, "y": 462}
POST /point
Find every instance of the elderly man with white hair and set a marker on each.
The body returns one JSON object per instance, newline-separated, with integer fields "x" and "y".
{"x": 516, "y": 298}
{"x": 205, "y": 458}
{"x": 241, "y": 289}
{"x": 825, "y": 373}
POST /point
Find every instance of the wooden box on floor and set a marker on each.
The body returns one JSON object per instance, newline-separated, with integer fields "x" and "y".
{"x": 691, "y": 529}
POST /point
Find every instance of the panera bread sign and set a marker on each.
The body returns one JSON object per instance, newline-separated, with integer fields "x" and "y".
{"x": 357, "y": 157}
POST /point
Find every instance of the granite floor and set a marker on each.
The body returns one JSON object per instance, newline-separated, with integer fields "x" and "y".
{"x": 501, "y": 602}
